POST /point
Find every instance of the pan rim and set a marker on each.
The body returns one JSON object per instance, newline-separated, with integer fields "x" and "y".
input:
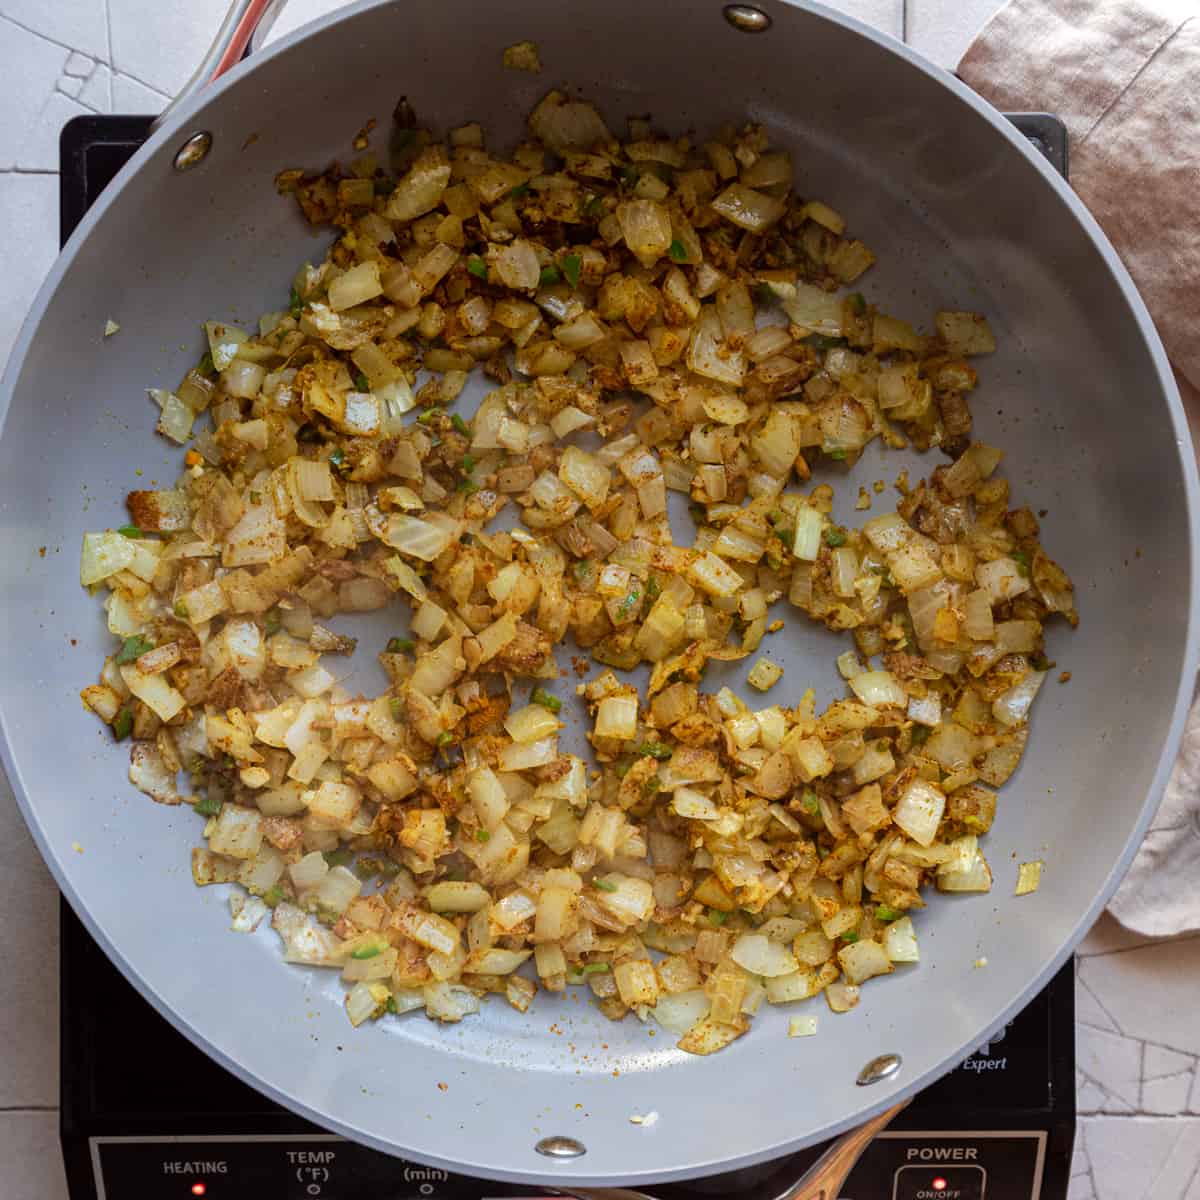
{"x": 1184, "y": 688}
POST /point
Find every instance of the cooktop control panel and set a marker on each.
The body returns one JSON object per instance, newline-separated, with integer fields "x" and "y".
{"x": 979, "y": 1165}
{"x": 900, "y": 1165}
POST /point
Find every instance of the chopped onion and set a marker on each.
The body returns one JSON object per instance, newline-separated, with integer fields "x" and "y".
{"x": 1012, "y": 707}
{"x": 760, "y": 956}
{"x": 863, "y": 960}
{"x": 748, "y": 209}
{"x": 679, "y": 1012}
{"x": 879, "y": 689}
{"x": 919, "y": 811}
{"x": 416, "y": 537}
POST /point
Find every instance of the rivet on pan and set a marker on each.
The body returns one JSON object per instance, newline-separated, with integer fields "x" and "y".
{"x": 560, "y": 1147}
{"x": 194, "y": 151}
{"x": 747, "y": 18}
{"x": 883, "y": 1067}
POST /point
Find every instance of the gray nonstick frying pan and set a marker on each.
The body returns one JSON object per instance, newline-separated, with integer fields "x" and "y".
{"x": 962, "y": 213}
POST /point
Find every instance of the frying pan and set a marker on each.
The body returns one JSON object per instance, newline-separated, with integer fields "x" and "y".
{"x": 962, "y": 214}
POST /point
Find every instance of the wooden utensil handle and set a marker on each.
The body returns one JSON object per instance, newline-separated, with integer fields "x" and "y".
{"x": 820, "y": 1182}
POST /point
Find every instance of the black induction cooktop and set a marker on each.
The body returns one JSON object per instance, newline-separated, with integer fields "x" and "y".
{"x": 147, "y": 1116}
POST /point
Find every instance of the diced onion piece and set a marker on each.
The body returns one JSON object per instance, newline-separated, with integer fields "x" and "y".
{"x": 104, "y": 555}
{"x": 879, "y": 689}
{"x": 223, "y": 342}
{"x": 748, "y": 209}
{"x": 427, "y": 622}
{"x": 439, "y": 668}
{"x": 155, "y": 692}
{"x": 524, "y": 756}
{"x": 416, "y": 537}
{"x": 513, "y": 910}
{"x": 977, "y": 616}
{"x": 965, "y": 333}
{"x": 694, "y": 805}
{"x": 1012, "y": 707}
{"x": 626, "y": 898}
{"x": 710, "y": 574}
{"x": 841, "y": 996}
{"x": 806, "y": 542}
{"x": 646, "y": 228}
{"x": 616, "y": 717}
{"x": 366, "y": 1002}
{"x": 456, "y": 897}
{"x": 355, "y": 286}
{"x": 421, "y": 188}
{"x": 530, "y": 723}
{"x": 863, "y": 960}
{"x": 976, "y": 877}
{"x": 708, "y": 355}
{"x": 1017, "y": 637}
{"x": 580, "y": 332}
{"x": 569, "y": 420}
{"x": 913, "y": 566}
{"x": 564, "y": 124}
{"x": 802, "y": 1027}
{"x": 1029, "y": 877}
{"x": 951, "y": 746}
{"x": 588, "y": 478}
{"x": 176, "y": 419}
{"x": 815, "y": 309}
{"x": 303, "y": 940}
{"x": 395, "y": 399}
{"x": 661, "y": 631}
{"x": 759, "y": 955}
{"x": 636, "y": 982}
{"x": 796, "y": 985}
{"x": 1001, "y": 579}
{"x": 488, "y": 797}
{"x": 237, "y": 833}
{"x": 338, "y": 889}
{"x": 900, "y": 941}
{"x": 919, "y": 811}
{"x": 764, "y": 674}
{"x": 678, "y": 1012}
{"x": 449, "y": 1001}
{"x": 517, "y": 265}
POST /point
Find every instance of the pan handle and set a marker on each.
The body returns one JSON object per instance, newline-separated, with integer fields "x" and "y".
{"x": 245, "y": 25}
{"x": 820, "y": 1182}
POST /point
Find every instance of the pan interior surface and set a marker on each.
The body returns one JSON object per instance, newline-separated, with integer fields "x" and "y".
{"x": 960, "y": 217}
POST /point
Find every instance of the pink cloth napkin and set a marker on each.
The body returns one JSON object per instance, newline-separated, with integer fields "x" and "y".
{"x": 1125, "y": 77}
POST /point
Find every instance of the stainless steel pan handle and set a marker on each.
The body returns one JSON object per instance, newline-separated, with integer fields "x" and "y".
{"x": 821, "y": 1181}
{"x": 245, "y": 25}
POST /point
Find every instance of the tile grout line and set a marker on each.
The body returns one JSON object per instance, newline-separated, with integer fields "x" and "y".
{"x": 27, "y": 171}
{"x": 27, "y": 1108}
{"x": 1083, "y": 983}
{"x": 73, "y": 50}
{"x": 45, "y": 38}
{"x": 108, "y": 40}
{"x": 1107, "y": 1094}
{"x": 1191, "y": 1179}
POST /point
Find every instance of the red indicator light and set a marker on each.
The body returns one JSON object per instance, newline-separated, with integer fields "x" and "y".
{"x": 198, "y": 1189}
{"x": 939, "y": 1184}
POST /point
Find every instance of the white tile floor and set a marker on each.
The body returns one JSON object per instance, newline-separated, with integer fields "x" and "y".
{"x": 1138, "y": 1036}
